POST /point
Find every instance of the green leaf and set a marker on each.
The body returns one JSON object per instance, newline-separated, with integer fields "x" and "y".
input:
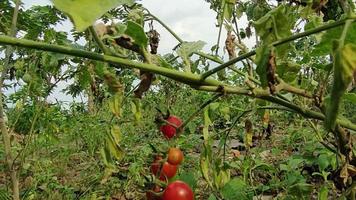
{"x": 323, "y": 193}
{"x": 136, "y": 109}
{"x": 344, "y": 67}
{"x": 235, "y": 189}
{"x": 189, "y": 178}
{"x": 212, "y": 197}
{"x": 116, "y": 134}
{"x": 325, "y": 45}
{"x": 323, "y": 161}
{"x": 204, "y": 168}
{"x": 313, "y": 22}
{"x": 85, "y": 12}
{"x": 301, "y": 189}
{"x": 276, "y": 24}
{"x": 136, "y": 32}
{"x": 262, "y": 57}
{"x": 351, "y": 97}
{"x": 288, "y": 70}
{"x": 114, "y": 149}
{"x": 186, "y": 49}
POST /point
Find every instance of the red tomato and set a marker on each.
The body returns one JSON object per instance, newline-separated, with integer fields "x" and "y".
{"x": 156, "y": 165}
{"x": 168, "y": 171}
{"x": 174, "y": 120}
{"x": 175, "y": 156}
{"x": 178, "y": 190}
{"x": 168, "y": 130}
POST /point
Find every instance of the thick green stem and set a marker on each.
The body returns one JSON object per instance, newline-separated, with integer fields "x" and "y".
{"x": 188, "y": 78}
{"x": 4, "y": 129}
{"x": 277, "y": 43}
{"x": 194, "y": 80}
{"x": 263, "y": 94}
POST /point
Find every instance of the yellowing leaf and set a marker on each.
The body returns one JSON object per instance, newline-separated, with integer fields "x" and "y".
{"x": 344, "y": 67}
{"x": 85, "y": 12}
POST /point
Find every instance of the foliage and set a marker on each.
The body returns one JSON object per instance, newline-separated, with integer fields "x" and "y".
{"x": 261, "y": 136}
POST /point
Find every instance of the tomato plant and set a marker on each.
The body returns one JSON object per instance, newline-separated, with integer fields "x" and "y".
{"x": 178, "y": 190}
{"x": 291, "y": 61}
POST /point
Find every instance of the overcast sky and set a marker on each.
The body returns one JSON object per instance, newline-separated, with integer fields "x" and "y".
{"x": 192, "y": 20}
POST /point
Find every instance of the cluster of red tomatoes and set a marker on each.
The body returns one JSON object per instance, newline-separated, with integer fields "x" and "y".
{"x": 165, "y": 169}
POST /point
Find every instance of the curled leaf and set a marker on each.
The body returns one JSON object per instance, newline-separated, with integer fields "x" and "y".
{"x": 344, "y": 68}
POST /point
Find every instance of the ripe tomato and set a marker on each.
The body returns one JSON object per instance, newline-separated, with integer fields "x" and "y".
{"x": 168, "y": 130}
{"x": 156, "y": 165}
{"x": 174, "y": 120}
{"x": 178, "y": 190}
{"x": 168, "y": 171}
{"x": 175, "y": 156}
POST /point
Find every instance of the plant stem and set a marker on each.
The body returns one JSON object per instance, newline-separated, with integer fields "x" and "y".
{"x": 227, "y": 64}
{"x": 166, "y": 27}
{"x": 279, "y": 42}
{"x": 220, "y": 28}
{"x": 262, "y": 94}
{"x": 193, "y": 80}
{"x": 188, "y": 78}
{"x": 3, "y": 125}
{"x": 98, "y": 41}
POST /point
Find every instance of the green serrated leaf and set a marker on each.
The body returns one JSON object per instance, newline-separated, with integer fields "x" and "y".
{"x": 236, "y": 189}
{"x": 85, "y": 12}
{"x": 276, "y": 24}
{"x": 323, "y": 161}
{"x": 136, "y": 32}
{"x": 189, "y": 178}
{"x": 187, "y": 48}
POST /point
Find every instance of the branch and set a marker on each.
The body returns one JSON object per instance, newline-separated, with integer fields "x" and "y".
{"x": 227, "y": 64}
{"x": 263, "y": 94}
{"x": 279, "y": 42}
{"x": 193, "y": 80}
{"x": 188, "y": 78}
